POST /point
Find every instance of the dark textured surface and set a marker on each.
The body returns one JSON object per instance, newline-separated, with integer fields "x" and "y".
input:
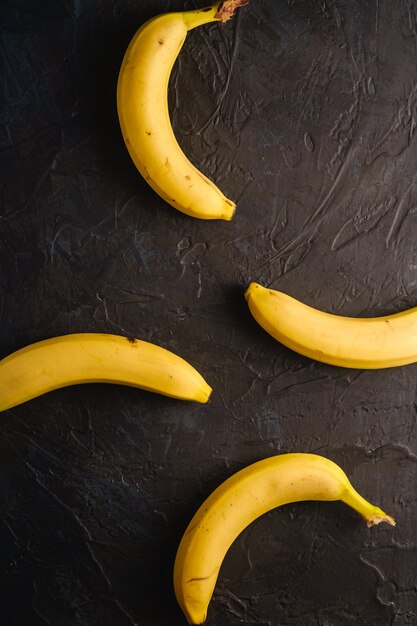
{"x": 304, "y": 111}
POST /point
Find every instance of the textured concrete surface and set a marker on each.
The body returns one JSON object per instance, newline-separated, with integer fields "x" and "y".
{"x": 304, "y": 112}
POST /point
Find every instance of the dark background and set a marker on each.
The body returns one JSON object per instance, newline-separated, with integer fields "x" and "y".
{"x": 304, "y": 112}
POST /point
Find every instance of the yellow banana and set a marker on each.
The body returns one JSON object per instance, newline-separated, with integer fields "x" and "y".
{"x": 366, "y": 343}
{"x": 239, "y": 501}
{"x": 96, "y": 358}
{"x": 142, "y": 103}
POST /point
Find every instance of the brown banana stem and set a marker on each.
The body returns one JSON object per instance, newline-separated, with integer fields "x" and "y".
{"x": 227, "y": 9}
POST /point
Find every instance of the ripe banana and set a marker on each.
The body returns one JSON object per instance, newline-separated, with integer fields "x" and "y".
{"x": 239, "y": 501}
{"x": 96, "y": 358}
{"x": 142, "y": 103}
{"x": 366, "y": 343}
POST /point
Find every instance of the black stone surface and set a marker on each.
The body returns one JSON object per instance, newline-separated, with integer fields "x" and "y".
{"x": 304, "y": 111}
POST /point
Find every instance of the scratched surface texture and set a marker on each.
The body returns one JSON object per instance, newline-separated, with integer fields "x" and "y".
{"x": 304, "y": 112}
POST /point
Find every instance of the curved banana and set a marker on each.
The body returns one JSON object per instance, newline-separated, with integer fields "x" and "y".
{"x": 142, "y": 103}
{"x": 239, "y": 501}
{"x": 366, "y": 343}
{"x": 96, "y": 358}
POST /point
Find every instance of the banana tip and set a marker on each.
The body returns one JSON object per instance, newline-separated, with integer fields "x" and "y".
{"x": 229, "y": 210}
{"x": 195, "y": 617}
{"x": 207, "y": 395}
{"x": 249, "y": 291}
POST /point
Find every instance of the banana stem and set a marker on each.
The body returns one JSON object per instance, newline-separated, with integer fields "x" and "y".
{"x": 371, "y": 514}
{"x": 219, "y": 12}
{"x": 193, "y": 19}
{"x": 228, "y": 7}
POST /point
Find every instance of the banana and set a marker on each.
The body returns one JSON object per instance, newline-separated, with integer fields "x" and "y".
{"x": 96, "y": 358}
{"x": 240, "y": 500}
{"x": 366, "y": 343}
{"x": 142, "y": 104}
